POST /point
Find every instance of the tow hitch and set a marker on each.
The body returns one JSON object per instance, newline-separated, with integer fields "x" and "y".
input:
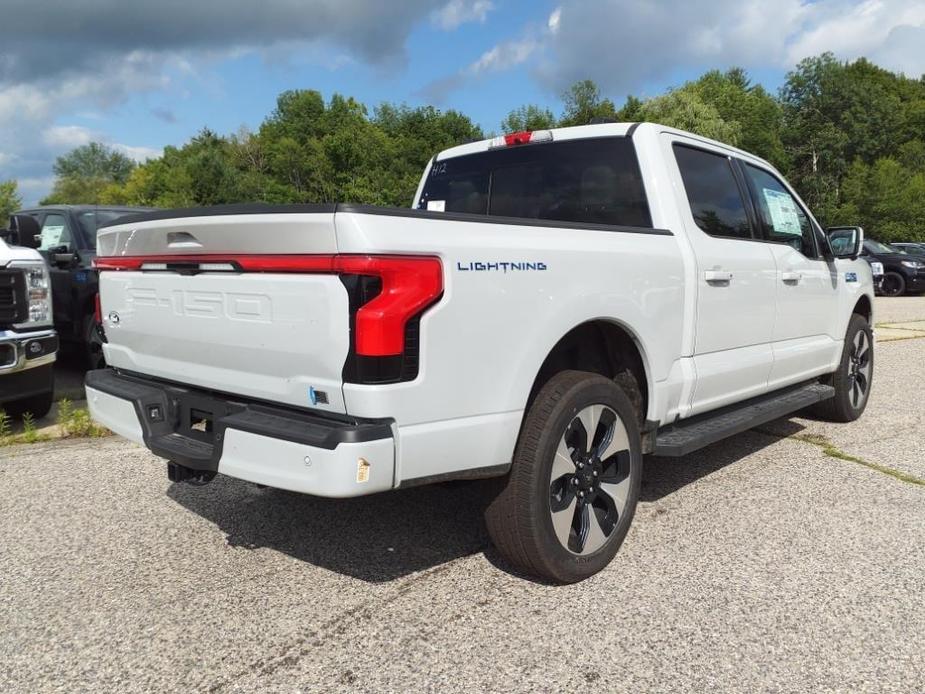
{"x": 181, "y": 473}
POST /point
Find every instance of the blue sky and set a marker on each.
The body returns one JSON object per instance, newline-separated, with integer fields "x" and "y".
{"x": 140, "y": 76}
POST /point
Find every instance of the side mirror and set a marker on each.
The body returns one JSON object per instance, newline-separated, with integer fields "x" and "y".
{"x": 846, "y": 242}
{"x": 25, "y": 231}
{"x": 63, "y": 258}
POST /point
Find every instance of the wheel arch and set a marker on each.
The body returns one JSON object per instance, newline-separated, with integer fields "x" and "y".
{"x": 604, "y": 346}
{"x": 864, "y": 307}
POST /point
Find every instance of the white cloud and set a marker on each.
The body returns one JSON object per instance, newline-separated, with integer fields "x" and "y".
{"x": 553, "y": 22}
{"x": 138, "y": 154}
{"x": 624, "y": 44}
{"x": 504, "y": 56}
{"x": 458, "y": 12}
{"x": 60, "y": 58}
{"x": 67, "y": 136}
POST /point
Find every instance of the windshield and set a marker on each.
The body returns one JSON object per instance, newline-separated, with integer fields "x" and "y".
{"x": 877, "y": 247}
{"x": 91, "y": 220}
{"x": 589, "y": 181}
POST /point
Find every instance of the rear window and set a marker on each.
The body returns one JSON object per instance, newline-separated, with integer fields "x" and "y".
{"x": 91, "y": 220}
{"x": 591, "y": 181}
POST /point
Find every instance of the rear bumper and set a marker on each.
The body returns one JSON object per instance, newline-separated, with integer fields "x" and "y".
{"x": 253, "y": 441}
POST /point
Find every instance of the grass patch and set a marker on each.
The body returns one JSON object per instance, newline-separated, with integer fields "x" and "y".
{"x": 29, "y": 433}
{"x": 72, "y": 422}
{"x": 75, "y": 422}
{"x": 834, "y": 452}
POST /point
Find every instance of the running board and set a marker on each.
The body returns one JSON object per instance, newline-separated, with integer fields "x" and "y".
{"x": 688, "y": 435}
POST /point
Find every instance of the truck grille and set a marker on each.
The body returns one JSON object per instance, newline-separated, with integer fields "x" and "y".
{"x": 13, "y": 306}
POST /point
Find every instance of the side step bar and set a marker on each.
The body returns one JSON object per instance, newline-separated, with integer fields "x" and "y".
{"x": 688, "y": 435}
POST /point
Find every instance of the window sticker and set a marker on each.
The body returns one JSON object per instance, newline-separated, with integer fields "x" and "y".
{"x": 436, "y": 205}
{"x": 785, "y": 218}
{"x": 51, "y": 236}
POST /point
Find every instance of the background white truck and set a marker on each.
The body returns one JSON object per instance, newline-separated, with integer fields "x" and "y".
{"x": 556, "y": 304}
{"x": 28, "y": 343}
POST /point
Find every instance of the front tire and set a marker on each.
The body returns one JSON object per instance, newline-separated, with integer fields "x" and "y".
{"x": 855, "y": 375}
{"x": 893, "y": 284}
{"x": 570, "y": 496}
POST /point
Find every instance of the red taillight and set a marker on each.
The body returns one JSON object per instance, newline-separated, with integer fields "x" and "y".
{"x": 97, "y": 309}
{"x": 409, "y": 285}
{"x": 520, "y": 138}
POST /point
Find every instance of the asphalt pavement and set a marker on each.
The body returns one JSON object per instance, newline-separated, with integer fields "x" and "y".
{"x": 787, "y": 559}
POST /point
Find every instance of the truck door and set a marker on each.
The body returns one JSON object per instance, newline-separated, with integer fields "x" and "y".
{"x": 804, "y": 340}
{"x": 56, "y": 238}
{"x": 735, "y": 280}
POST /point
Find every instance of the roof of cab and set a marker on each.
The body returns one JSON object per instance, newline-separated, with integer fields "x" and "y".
{"x": 605, "y": 130}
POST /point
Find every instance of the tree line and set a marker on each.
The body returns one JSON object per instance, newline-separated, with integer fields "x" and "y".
{"x": 850, "y": 136}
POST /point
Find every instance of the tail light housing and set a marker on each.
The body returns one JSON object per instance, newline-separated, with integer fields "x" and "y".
{"x": 388, "y": 294}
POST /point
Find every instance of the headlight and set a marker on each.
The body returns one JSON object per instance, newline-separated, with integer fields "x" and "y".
{"x": 38, "y": 293}
{"x": 876, "y": 268}
{"x": 913, "y": 264}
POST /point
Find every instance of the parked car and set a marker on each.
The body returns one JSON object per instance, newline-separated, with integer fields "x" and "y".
{"x": 556, "y": 304}
{"x": 912, "y": 248}
{"x": 68, "y": 243}
{"x": 903, "y": 273}
{"x": 28, "y": 343}
{"x": 876, "y": 271}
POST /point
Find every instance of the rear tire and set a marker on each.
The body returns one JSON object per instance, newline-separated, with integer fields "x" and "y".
{"x": 569, "y": 499}
{"x": 855, "y": 375}
{"x": 93, "y": 344}
{"x": 893, "y": 284}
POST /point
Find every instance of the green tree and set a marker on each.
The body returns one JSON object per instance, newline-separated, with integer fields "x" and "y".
{"x": 684, "y": 109}
{"x": 837, "y": 112}
{"x": 529, "y": 117}
{"x": 10, "y": 200}
{"x": 754, "y": 113}
{"x": 631, "y": 112}
{"x": 583, "y": 105}
{"x": 85, "y": 172}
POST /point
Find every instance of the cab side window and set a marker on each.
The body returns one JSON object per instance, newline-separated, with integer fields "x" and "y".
{"x": 783, "y": 219}
{"x": 55, "y": 233}
{"x": 713, "y": 193}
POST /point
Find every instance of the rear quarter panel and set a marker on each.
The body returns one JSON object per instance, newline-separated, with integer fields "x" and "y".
{"x": 483, "y": 344}
{"x": 485, "y": 341}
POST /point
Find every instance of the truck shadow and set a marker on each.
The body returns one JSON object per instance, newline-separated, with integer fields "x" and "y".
{"x": 387, "y": 536}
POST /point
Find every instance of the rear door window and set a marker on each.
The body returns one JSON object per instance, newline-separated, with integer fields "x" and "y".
{"x": 593, "y": 181}
{"x": 713, "y": 193}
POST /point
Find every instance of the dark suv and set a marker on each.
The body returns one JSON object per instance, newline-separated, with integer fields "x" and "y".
{"x": 68, "y": 243}
{"x": 902, "y": 273}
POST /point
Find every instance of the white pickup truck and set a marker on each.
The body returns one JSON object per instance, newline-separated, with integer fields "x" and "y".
{"x": 28, "y": 342}
{"x": 555, "y": 305}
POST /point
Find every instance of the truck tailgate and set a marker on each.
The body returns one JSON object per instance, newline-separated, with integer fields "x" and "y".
{"x": 274, "y": 336}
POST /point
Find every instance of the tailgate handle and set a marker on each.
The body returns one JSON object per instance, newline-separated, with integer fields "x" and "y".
{"x": 182, "y": 239}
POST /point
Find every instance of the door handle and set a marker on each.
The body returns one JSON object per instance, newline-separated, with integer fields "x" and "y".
{"x": 717, "y": 276}
{"x": 791, "y": 277}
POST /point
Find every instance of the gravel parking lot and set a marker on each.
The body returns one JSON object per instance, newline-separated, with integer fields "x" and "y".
{"x": 791, "y": 558}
